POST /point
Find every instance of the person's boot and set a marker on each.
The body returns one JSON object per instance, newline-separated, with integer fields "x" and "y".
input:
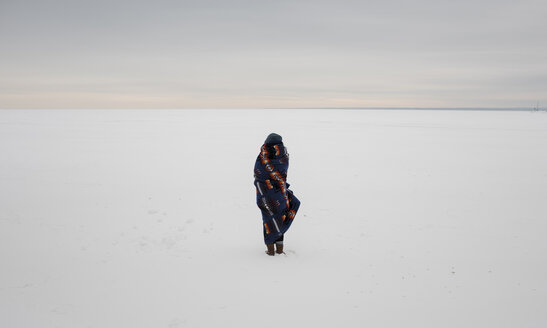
{"x": 270, "y": 250}
{"x": 279, "y": 248}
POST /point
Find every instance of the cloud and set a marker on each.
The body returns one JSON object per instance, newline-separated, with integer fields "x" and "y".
{"x": 271, "y": 54}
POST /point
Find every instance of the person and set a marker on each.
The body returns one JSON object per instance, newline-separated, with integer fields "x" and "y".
{"x": 273, "y": 197}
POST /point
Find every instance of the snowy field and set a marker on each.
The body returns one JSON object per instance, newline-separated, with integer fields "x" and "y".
{"x": 115, "y": 219}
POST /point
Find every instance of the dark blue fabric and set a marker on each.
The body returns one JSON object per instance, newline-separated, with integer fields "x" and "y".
{"x": 276, "y": 202}
{"x": 273, "y": 138}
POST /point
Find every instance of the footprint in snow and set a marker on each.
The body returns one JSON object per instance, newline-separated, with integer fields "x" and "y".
{"x": 289, "y": 252}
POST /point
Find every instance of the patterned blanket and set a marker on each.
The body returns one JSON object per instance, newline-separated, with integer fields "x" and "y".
{"x": 276, "y": 202}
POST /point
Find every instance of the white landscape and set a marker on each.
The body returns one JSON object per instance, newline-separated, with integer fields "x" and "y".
{"x": 147, "y": 218}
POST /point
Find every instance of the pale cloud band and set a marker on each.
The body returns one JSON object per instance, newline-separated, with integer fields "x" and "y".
{"x": 256, "y": 54}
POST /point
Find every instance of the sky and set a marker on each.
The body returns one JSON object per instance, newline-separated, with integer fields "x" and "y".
{"x": 272, "y": 54}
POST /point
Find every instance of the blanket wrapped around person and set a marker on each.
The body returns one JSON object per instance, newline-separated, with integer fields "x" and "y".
{"x": 276, "y": 202}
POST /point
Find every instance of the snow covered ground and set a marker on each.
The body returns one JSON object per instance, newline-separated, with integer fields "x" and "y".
{"x": 148, "y": 219}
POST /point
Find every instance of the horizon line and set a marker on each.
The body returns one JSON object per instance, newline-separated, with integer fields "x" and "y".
{"x": 295, "y": 108}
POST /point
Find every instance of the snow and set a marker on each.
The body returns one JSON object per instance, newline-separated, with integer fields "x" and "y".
{"x": 147, "y": 218}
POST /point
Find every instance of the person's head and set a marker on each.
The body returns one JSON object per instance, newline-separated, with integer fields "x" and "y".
{"x": 273, "y": 138}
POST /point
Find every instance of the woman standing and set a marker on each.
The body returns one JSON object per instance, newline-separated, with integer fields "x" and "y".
{"x": 276, "y": 202}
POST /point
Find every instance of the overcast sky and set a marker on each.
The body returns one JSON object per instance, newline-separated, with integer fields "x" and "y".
{"x": 264, "y": 54}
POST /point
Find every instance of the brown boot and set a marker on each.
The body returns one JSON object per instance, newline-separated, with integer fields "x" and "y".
{"x": 279, "y": 247}
{"x": 270, "y": 250}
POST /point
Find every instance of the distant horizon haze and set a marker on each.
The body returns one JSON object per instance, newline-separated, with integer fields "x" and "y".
{"x": 285, "y": 54}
